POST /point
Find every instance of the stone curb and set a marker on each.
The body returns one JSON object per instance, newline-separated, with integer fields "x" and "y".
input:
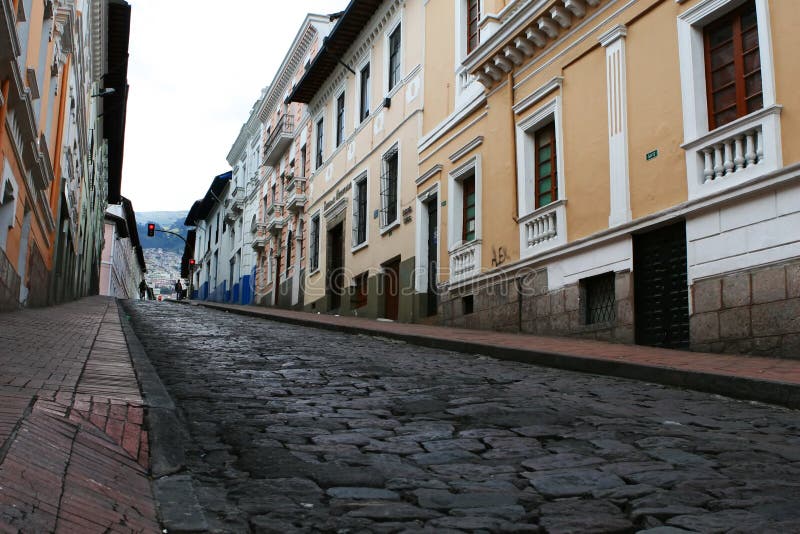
{"x": 178, "y": 507}
{"x": 745, "y": 388}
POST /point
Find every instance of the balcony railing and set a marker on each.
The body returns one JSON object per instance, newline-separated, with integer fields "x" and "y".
{"x": 734, "y": 153}
{"x": 543, "y": 228}
{"x": 275, "y": 218}
{"x": 296, "y": 194}
{"x": 278, "y": 140}
{"x": 465, "y": 260}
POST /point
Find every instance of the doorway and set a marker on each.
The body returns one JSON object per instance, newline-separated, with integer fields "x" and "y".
{"x": 391, "y": 289}
{"x": 661, "y": 294}
{"x": 432, "y": 263}
{"x": 334, "y": 281}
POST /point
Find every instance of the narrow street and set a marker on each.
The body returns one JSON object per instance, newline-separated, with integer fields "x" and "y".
{"x": 299, "y": 429}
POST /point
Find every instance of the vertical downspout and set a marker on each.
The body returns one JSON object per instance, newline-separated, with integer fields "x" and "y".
{"x": 515, "y": 175}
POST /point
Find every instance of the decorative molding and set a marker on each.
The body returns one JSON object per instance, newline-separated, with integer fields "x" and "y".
{"x": 538, "y": 95}
{"x": 461, "y": 152}
{"x": 617, "y": 32}
{"x": 429, "y": 173}
{"x": 617, "y": 98}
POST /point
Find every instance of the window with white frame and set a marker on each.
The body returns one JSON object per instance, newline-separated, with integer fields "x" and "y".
{"x": 320, "y": 142}
{"x": 395, "y": 59}
{"x": 538, "y": 158}
{"x": 339, "y": 119}
{"x": 726, "y": 62}
{"x": 464, "y": 203}
{"x": 731, "y": 120}
{"x": 313, "y": 245}
{"x": 389, "y": 186}
{"x": 360, "y": 210}
{"x": 363, "y": 93}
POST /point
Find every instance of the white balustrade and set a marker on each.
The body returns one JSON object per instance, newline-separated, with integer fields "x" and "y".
{"x": 465, "y": 260}
{"x": 733, "y": 154}
{"x": 541, "y": 228}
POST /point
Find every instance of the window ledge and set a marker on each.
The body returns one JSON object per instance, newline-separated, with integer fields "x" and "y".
{"x": 391, "y": 226}
{"x": 732, "y": 127}
{"x": 360, "y": 246}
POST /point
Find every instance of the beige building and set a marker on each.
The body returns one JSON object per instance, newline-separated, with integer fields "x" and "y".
{"x": 613, "y": 169}
{"x": 364, "y": 100}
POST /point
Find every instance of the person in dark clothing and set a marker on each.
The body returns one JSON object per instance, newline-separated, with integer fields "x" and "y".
{"x": 142, "y": 289}
{"x": 179, "y": 290}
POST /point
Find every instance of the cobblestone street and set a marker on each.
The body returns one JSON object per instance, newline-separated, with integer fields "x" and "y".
{"x": 298, "y": 429}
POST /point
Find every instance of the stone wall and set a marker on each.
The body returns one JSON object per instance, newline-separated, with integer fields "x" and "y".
{"x": 9, "y": 285}
{"x": 753, "y": 312}
{"x": 38, "y": 279}
{"x": 523, "y": 303}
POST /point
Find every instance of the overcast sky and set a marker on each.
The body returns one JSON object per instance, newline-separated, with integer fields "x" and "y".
{"x": 196, "y": 68}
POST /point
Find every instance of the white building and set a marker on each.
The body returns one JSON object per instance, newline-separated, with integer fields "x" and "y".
{"x": 122, "y": 265}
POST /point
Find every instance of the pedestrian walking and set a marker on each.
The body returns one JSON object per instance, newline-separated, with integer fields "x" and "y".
{"x": 142, "y": 289}
{"x": 179, "y": 290}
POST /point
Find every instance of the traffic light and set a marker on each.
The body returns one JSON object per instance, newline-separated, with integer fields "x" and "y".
{"x": 151, "y": 229}
{"x": 191, "y": 262}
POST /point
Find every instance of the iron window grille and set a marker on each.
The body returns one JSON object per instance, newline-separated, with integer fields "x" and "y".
{"x": 360, "y": 212}
{"x": 599, "y": 298}
{"x": 314, "y": 252}
{"x": 389, "y": 188}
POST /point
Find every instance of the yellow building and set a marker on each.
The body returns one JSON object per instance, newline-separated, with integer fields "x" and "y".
{"x": 364, "y": 97}
{"x": 613, "y": 169}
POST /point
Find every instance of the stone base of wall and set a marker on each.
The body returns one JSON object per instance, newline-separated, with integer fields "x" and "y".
{"x": 752, "y": 312}
{"x": 38, "y": 279}
{"x": 9, "y": 285}
{"x": 523, "y": 303}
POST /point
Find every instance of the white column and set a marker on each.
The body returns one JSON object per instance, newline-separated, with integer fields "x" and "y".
{"x": 614, "y": 43}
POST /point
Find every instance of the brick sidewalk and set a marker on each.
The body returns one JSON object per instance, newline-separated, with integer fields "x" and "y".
{"x": 73, "y": 449}
{"x": 770, "y": 380}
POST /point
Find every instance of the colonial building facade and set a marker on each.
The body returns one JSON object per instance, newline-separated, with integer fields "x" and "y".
{"x": 364, "y": 96}
{"x": 63, "y": 93}
{"x": 613, "y": 169}
{"x": 280, "y": 208}
{"x": 626, "y": 171}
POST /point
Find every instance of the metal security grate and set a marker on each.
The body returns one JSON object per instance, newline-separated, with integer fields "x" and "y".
{"x": 600, "y": 299}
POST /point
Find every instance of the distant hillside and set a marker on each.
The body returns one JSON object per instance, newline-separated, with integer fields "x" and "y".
{"x": 164, "y": 220}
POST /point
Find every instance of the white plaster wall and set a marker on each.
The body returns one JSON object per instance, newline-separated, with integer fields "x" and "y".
{"x": 614, "y": 256}
{"x": 751, "y": 232}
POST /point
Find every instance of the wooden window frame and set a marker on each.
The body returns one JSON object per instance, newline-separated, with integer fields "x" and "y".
{"x": 553, "y": 191}
{"x": 339, "y": 119}
{"x": 395, "y": 44}
{"x": 472, "y": 28}
{"x": 363, "y": 102}
{"x": 467, "y": 187}
{"x": 734, "y": 19}
{"x": 319, "y": 158}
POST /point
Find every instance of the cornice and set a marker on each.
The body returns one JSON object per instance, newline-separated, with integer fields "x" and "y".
{"x": 360, "y": 48}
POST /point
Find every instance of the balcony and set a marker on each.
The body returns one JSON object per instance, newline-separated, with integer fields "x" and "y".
{"x": 275, "y": 218}
{"x": 259, "y": 242}
{"x": 734, "y": 153}
{"x": 279, "y": 140}
{"x": 295, "y": 194}
{"x": 543, "y": 229}
{"x": 237, "y": 199}
{"x": 465, "y": 260}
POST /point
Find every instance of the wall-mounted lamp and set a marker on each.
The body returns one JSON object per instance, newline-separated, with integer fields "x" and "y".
{"x": 105, "y": 92}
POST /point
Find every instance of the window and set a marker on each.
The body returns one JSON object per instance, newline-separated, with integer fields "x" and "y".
{"x": 733, "y": 66}
{"x": 314, "y": 243}
{"x": 546, "y": 182}
{"x": 363, "y": 101}
{"x": 394, "y": 58}
{"x": 360, "y": 211}
{"x": 598, "y": 299}
{"x": 303, "y": 160}
{"x": 468, "y": 219}
{"x": 288, "y": 251}
{"x": 361, "y": 290}
{"x": 389, "y": 188}
{"x": 216, "y": 233}
{"x": 473, "y": 16}
{"x": 320, "y": 140}
{"x": 340, "y": 119}
{"x": 8, "y": 205}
